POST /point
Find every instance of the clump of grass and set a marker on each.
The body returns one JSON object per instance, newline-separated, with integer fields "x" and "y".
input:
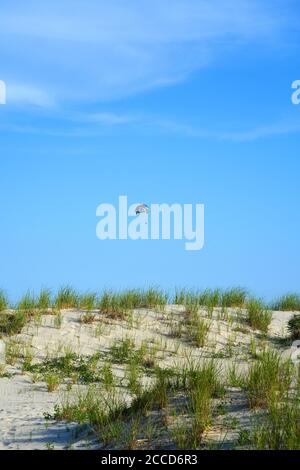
{"x": 107, "y": 376}
{"x": 234, "y": 377}
{"x": 201, "y": 409}
{"x": 90, "y": 407}
{"x": 180, "y": 296}
{"x": 198, "y": 329}
{"x": 206, "y": 374}
{"x": 235, "y": 297}
{"x": 259, "y": 317}
{"x": 44, "y": 301}
{"x": 66, "y": 297}
{"x": 88, "y": 318}
{"x": 52, "y": 381}
{"x": 115, "y": 305}
{"x": 132, "y": 377}
{"x": 119, "y": 305}
{"x": 281, "y": 429}
{"x": 27, "y": 304}
{"x": 294, "y": 327}
{"x": 200, "y": 332}
{"x": 122, "y": 350}
{"x": 28, "y": 358}
{"x": 88, "y": 301}
{"x": 201, "y": 381}
{"x": 13, "y": 351}
{"x": 4, "y": 303}
{"x": 209, "y": 298}
{"x": 58, "y": 319}
{"x": 191, "y": 304}
{"x": 177, "y": 329}
{"x": 268, "y": 379}
{"x": 155, "y": 298}
{"x": 289, "y": 302}
{"x": 253, "y": 348}
{"x": 12, "y": 323}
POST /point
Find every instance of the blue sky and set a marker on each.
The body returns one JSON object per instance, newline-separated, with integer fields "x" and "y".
{"x": 188, "y": 103}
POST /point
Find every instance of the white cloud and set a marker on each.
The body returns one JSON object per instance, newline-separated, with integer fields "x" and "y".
{"x": 86, "y": 125}
{"x": 102, "y": 50}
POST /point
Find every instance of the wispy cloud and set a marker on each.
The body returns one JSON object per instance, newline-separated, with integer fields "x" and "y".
{"x": 101, "y": 50}
{"x": 29, "y": 95}
{"x": 86, "y": 125}
{"x": 241, "y": 135}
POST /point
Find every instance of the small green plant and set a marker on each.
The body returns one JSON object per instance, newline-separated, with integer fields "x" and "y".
{"x": 294, "y": 327}
{"x": 13, "y": 351}
{"x": 58, "y": 319}
{"x": 122, "y": 351}
{"x": 235, "y": 297}
{"x": 27, "y": 304}
{"x": 253, "y": 348}
{"x": 52, "y": 381}
{"x": 268, "y": 379}
{"x": 234, "y": 377}
{"x": 12, "y": 323}
{"x": 3, "y": 301}
{"x": 244, "y": 438}
{"x": 66, "y": 297}
{"x": 180, "y": 296}
{"x": 28, "y": 358}
{"x": 258, "y": 316}
{"x": 107, "y": 376}
{"x": 88, "y": 301}
{"x": 191, "y": 305}
{"x": 88, "y": 318}
{"x": 44, "y": 301}
{"x": 198, "y": 329}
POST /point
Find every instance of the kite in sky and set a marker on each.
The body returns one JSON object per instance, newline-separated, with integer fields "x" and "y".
{"x": 142, "y": 209}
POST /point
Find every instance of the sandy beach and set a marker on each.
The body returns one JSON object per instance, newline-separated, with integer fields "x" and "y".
{"x": 25, "y": 401}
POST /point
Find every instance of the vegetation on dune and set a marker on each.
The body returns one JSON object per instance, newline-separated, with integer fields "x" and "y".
{"x": 3, "y": 301}
{"x": 44, "y": 301}
{"x": 66, "y": 297}
{"x": 259, "y": 317}
{"x": 199, "y": 382}
{"x": 281, "y": 428}
{"x": 268, "y": 379}
{"x": 80, "y": 369}
{"x": 27, "y": 304}
{"x": 294, "y": 327}
{"x": 235, "y": 297}
{"x": 289, "y": 302}
{"x": 88, "y": 301}
{"x": 173, "y": 387}
{"x": 12, "y": 323}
